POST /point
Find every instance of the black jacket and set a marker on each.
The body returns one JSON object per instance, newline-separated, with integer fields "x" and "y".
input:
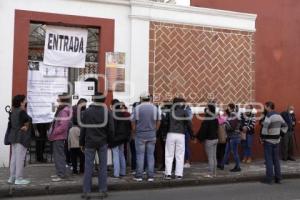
{"x": 98, "y": 127}
{"x": 290, "y": 120}
{"x": 208, "y": 130}
{"x": 18, "y": 119}
{"x": 180, "y": 121}
{"x": 122, "y": 125}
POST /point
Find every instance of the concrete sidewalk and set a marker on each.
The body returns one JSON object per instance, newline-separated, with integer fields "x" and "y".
{"x": 41, "y": 182}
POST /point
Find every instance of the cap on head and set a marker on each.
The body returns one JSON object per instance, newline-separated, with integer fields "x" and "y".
{"x": 145, "y": 96}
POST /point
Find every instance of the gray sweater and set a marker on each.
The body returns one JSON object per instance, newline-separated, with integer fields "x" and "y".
{"x": 273, "y": 125}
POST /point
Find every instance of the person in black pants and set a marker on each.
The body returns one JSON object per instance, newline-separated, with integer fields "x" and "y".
{"x": 41, "y": 139}
{"x": 163, "y": 131}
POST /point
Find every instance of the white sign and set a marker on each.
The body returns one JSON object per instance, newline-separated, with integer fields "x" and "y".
{"x": 85, "y": 88}
{"x": 42, "y": 90}
{"x": 75, "y": 99}
{"x": 65, "y": 46}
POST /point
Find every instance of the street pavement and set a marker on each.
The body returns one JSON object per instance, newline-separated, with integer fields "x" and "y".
{"x": 288, "y": 190}
{"x": 195, "y": 176}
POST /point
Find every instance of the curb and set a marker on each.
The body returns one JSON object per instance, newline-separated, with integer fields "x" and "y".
{"x": 12, "y": 191}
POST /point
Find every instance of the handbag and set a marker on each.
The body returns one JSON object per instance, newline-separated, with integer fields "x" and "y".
{"x": 7, "y": 133}
{"x": 222, "y": 134}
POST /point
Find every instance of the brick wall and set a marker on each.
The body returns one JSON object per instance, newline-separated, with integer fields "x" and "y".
{"x": 201, "y": 63}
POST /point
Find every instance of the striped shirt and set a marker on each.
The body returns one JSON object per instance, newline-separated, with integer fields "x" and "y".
{"x": 248, "y": 122}
{"x": 273, "y": 125}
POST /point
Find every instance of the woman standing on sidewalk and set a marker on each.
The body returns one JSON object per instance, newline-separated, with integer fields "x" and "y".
{"x": 247, "y": 127}
{"x": 208, "y": 133}
{"x": 122, "y": 125}
{"x": 232, "y": 127}
{"x": 175, "y": 144}
{"x": 20, "y": 136}
{"x": 58, "y": 134}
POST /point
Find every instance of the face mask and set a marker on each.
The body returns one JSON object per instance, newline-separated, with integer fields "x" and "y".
{"x": 221, "y": 113}
{"x": 291, "y": 111}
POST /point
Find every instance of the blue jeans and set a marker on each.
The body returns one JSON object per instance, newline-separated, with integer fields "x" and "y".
{"x": 232, "y": 145}
{"x": 247, "y": 146}
{"x": 187, "y": 154}
{"x": 143, "y": 146}
{"x": 272, "y": 161}
{"x": 89, "y": 167}
{"x": 119, "y": 161}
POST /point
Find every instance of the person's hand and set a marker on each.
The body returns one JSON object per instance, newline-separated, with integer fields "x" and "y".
{"x": 261, "y": 141}
{"x": 24, "y": 128}
{"x": 82, "y": 149}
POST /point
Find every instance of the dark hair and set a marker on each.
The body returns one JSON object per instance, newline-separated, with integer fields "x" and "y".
{"x": 64, "y": 98}
{"x": 176, "y": 101}
{"x": 17, "y": 100}
{"x": 99, "y": 97}
{"x": 81, "y": 100}
{"x": 211, "y": 108}
{"x": 232, "y": 107}
{"x": 270, "y": 105}
{"x": 135, "y": 104}
{"x": 114, "y": 102}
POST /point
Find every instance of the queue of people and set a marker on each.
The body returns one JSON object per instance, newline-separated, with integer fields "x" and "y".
{"x": 93, "y": 130}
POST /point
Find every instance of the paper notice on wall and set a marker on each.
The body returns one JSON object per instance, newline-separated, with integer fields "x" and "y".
{"x": 42, "y": 90}
{"x": 65, "y": 46}
{"x": 76, "y": 98}
{"x": 115, "y": 71}
{"x": 84, "y": 88}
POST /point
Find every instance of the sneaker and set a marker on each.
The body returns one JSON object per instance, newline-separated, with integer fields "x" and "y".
{"x": 133, "y": 173}
{"x": 277, "y": 181}
{"x": 167, "y": 177}
{"x": 150, "y": 179}
{"x": 53, "y": 176}
{"x": 236, "y": 169}
{"x": 11, "y": 180}
{"x": 291, "y": 159}
{"x": 58, "y": 179}
{"x": 267, "y": 182}
{"x": 249, "y": 161}
{"x": 138, "y": 179}
{"x": 187, "y": 165}
{"x": 21, "y": 182}
{"x": 86, "y": 196}
{"x": 208, "y": 176}
{"x": 178, "y": 178}
{"x": 220, "y": 167}
{"x": 103, "y": 195}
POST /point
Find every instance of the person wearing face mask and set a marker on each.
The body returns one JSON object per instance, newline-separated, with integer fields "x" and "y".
{"x": 20, "y": 136}
{"x": 180, "y": 121}
{"x": 58, "y": 135}
{"x": 273, "y": 126}
{"x": 287, "y": 144}
{"x": 247, "y": 127}
{"x": 221, "y": 138}
{"x": 208, "y": 134}
{"x": 73, "y": 137}
{"x": 232, "y": 127}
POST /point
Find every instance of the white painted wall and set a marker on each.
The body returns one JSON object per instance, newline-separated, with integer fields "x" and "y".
{"x": 131, "y": 36}
{"x": 82, "y": 8}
